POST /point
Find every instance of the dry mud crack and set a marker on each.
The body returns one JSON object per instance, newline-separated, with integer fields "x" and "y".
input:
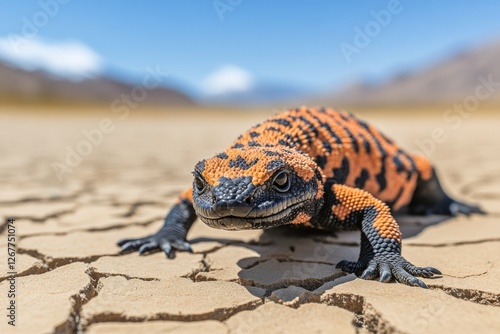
{"x": 71, "y": 278}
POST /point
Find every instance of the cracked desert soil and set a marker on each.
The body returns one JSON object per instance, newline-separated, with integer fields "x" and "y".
{"x": 71, "y": 279}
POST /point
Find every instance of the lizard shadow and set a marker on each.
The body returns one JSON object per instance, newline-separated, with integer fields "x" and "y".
{"x": 305, "y": 259}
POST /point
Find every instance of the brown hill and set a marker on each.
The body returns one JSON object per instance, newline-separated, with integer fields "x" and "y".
{"x": 20, "y": 86}
{"x": 450, "y": 80}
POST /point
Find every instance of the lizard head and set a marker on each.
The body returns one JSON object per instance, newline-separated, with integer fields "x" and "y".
{"x": 257, "y": 187}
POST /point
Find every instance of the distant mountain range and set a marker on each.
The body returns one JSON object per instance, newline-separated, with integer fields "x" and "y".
{"x": 451, "y": 80}
{"x": 21, "y": 86}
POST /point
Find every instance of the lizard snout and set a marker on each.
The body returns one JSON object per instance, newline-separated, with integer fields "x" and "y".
{"x": 233, "y": 208}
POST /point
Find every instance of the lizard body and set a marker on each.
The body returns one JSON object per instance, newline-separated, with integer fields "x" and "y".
{"x": 321, "y": 168}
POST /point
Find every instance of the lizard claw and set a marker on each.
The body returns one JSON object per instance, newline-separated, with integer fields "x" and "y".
{"x": 182, "y": 245}
{"x": 128, "y": 245}
{"x": 452, "y": 207}
{"x": 465, "y": 209}
{"x": 155, "y": 242}
{"x": 145, "y": 248}
{"x": 387, "y": 267}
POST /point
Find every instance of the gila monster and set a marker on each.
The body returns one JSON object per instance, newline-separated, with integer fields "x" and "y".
{"x": 320, "y": 168}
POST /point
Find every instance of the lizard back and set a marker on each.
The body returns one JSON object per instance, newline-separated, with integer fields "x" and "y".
{"x": 348, "y": 151}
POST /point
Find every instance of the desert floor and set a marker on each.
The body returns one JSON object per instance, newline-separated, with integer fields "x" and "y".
{"x": 70, "y": 277}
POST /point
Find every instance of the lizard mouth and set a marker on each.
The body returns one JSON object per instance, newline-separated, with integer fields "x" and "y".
{"x": 256, "y": 219}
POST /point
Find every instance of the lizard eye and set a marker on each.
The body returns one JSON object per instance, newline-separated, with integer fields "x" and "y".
{"x": 281, "y": 181}
{"x": 199, "y": 184}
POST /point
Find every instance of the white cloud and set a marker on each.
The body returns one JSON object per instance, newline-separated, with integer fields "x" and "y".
{"x": 228, "y": 79}
{"x": 70, "y": 58}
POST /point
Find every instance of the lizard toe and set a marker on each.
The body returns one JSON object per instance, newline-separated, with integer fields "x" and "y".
{"x": 148, "y": 247}
{"x": 370, "y": 272}
{"x": 426, "y": 272}
{"x": 130, "y": 245}
{"x": 350, "y": 267}
{"x": 182, "y": 246}
{"x": 402, "y": 276}
{"x": 168, "y": 249}
{"x": 122, "y": 242}
{"x": 385, "y": 273}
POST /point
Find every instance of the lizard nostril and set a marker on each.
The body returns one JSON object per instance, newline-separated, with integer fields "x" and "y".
{"x": 248, "y": 200}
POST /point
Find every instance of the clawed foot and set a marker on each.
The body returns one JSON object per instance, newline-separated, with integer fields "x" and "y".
{"x": 457, "y": 208}
{"x": 386, "y": 267}
{"x": 452, "y": 207}
{"x": 447, "y": 207}
{"x": 155, "y": 242}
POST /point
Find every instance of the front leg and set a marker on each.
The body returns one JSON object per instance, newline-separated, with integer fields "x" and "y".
{"x": 380, "y": 254}
{"x": 172, "y": 235}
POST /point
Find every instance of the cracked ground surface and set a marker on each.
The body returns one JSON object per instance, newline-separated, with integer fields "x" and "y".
{"x": 71, "y": 279}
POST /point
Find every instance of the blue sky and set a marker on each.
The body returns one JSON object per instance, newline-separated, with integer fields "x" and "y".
{"x": 293, "y": 42}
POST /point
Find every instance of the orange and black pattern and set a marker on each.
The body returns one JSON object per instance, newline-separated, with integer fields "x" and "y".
{"x": 321, "y": 168}
{"x": 347, "y": 150}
